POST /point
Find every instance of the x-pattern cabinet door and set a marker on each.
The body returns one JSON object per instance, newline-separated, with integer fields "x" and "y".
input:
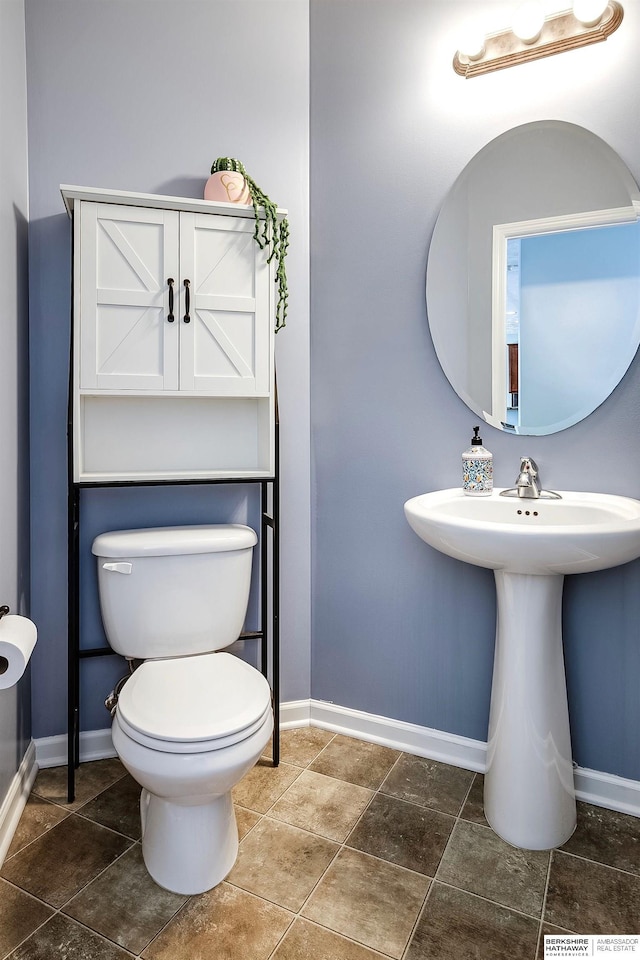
{"x": 128, "y": 340}
{"x": 225, "y": 345}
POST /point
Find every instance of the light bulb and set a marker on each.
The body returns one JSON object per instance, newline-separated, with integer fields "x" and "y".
{"x": 471, "y": 43}
{"x": 589, "y": 12}
{"x": 528, "y": 21}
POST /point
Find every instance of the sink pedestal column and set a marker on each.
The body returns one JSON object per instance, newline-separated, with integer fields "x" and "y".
{"x": 529, "y": 796}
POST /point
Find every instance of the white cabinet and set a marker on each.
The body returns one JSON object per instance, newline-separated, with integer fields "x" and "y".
{"x": 173, "y": 323}
{"x": 172, "y": 300}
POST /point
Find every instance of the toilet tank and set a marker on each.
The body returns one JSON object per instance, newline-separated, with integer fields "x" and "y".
{"x": 174, "y": 591}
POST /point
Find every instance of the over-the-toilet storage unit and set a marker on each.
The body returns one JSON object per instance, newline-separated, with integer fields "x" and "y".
{"x": 172, "y": 369}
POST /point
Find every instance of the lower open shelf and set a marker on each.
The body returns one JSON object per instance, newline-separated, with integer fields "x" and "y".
{"x": 153, "y": 437}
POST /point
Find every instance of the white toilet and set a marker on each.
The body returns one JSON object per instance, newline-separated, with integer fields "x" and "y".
{"x": 189, "y": 722}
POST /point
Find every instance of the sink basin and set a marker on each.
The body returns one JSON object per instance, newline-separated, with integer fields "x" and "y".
{"x": 529, "y": 795}
{"x": 580, "y": 533}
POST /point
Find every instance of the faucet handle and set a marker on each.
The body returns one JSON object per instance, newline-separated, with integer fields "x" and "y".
{"x": 528, "y": 465}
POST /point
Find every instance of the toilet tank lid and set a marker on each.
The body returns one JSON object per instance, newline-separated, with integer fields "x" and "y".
{"x": 174, "y": 541}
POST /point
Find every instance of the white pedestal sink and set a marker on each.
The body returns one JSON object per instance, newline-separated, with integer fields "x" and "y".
{"x": 530, "y": 545}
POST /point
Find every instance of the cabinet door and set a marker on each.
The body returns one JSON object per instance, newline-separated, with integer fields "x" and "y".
{"x": 127, "y": 339}
{"x": 226, "y": 344}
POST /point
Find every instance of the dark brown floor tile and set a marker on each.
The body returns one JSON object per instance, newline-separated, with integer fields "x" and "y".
{"x": 37, "y": 817}
{"x": 90, "y": 780}
{"x": 429, "y": 783}
{"x": 303, "y": 744}
{"x": 606, "y": 836}
{"x": 57, "y": 865}
{"x": 322, "y": 805}
{"x": 456, "y": 925}
{"x": 20, "y": 915}
{"x": 117, "y": 807}
{"x": 224, "y": 924}
{"x": 473, "y": 808}
{"x": 356, "y": 761}
{"x": 306, "y": 941}
{"x": 404, "y": 833}
{"x": 62, "y": 939}
{"x": 260, "y": 788}
{"x": 246, "y": 820}
{"x": 368, "y": 900}
{"x": 363, "y": 901}
{"x": 124, "y": 904}
{"x": 591, "y": 898}
{"x": 281, "y": 863}
{"x": 478, "y": 861}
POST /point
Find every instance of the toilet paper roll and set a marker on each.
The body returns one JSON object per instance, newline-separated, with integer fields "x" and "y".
{"x": 17, "y": 639}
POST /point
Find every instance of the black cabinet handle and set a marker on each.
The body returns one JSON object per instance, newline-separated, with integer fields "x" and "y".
{"x": 187, "y": 300}
{"x": 171, "y": 317}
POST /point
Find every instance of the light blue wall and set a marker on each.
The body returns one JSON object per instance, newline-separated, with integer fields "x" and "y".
{"x": 15, "y": 724}
{"x": 143, "y": 95}
{"x": 399, "y": 629}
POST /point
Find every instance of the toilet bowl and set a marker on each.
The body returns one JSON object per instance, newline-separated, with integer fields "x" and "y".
{"x": 188, "y": 756}
{"x": 190, "y": 722}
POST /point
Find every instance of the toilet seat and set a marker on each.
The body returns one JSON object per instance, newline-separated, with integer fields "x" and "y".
{"x": 193, "y": 704}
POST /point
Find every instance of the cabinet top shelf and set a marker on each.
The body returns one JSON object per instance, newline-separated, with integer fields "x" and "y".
{"x": 99, "y": 195}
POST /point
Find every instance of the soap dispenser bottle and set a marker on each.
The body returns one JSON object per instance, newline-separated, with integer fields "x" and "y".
{"x": 477, "y": 468}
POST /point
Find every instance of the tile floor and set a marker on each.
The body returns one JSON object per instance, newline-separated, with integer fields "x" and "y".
{"x": 350, "y": 851}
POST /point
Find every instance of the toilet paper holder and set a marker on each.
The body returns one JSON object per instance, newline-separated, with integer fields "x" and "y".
{"x": 4, "y": 609}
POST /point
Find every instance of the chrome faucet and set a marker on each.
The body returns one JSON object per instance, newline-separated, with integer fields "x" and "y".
{"x": 528, "y": 486}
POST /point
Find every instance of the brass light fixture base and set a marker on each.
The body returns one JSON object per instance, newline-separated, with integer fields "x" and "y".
{"x": 560, "y": 32}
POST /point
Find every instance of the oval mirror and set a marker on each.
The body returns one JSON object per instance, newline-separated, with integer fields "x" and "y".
{"x": 533, "y": 278}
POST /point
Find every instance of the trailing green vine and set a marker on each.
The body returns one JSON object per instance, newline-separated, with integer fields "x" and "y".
{"x": 273, "y": 235}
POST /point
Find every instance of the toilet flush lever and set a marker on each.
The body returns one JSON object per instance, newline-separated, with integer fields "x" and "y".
{"x": 121, "y": 567}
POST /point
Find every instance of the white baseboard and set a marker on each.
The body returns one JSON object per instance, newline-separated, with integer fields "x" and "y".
{"x": 94, "y": 745}
{"x": 605, "y": 790}
{"x": 592, "y": 786}
{"x": 409, "y": 737}
{"x": 16, "y": 798}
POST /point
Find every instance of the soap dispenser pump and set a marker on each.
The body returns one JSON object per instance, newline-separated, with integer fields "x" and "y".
{"x": 477, "y": 468}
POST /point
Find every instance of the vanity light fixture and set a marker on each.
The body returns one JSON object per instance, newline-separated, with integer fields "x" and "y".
{"x": 532, "y": 35}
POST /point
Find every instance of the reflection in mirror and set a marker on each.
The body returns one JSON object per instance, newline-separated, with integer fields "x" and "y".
{"x": 533, "y": 280}
{"x": 566, "y": 306}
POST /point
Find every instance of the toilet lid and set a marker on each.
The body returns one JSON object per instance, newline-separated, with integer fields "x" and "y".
{"x": 187, "y": 702}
